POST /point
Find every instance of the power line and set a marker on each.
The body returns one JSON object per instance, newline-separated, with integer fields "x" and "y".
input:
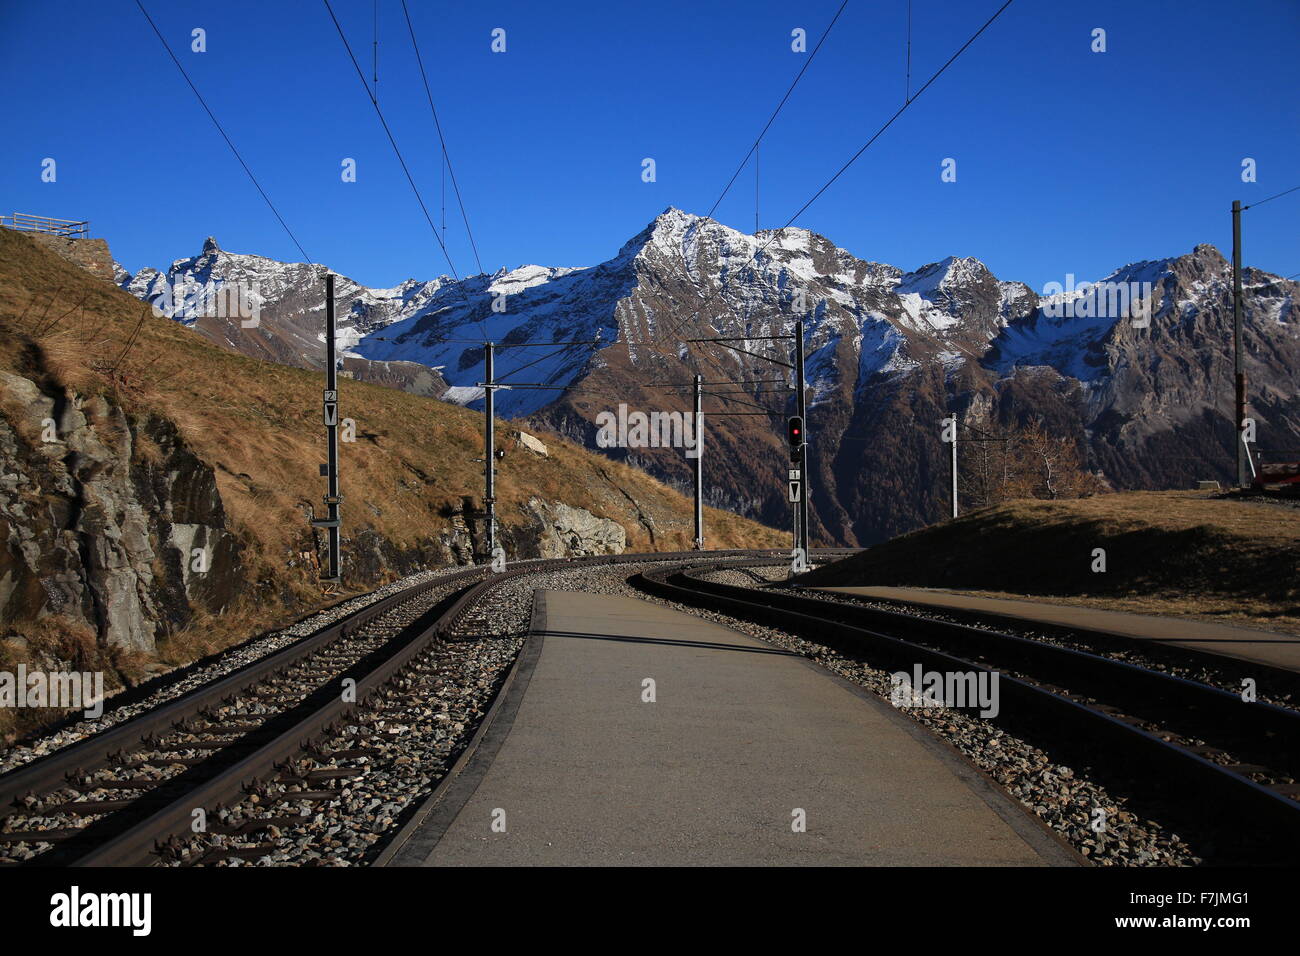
{"x": 770, "y": 119}
{"x": 1271, "y": 198}
{"x": 402, "y": 161}
{"x": 438, "y": 125}
{"x": 222, "y": 131}
{"x": 380, "y": 113}
{"x": 854, "y": 158}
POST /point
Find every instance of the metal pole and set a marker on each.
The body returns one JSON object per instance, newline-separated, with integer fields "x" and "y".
{"x": 699, "y": 466}
{"x": 1239, "y": 373}
{"x": 332, "y": 498}
{"x": 489, "y": 460}
{"x": 802, "y": 505}
{"x": 954, "y": 464}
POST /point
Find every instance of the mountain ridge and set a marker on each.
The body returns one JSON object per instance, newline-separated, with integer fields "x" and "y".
{"x": 1118, "y": 371}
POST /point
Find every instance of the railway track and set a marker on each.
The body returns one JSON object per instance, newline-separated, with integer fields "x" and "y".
{"x": 1231, "y": 765}
{"x": 284, "y": 732}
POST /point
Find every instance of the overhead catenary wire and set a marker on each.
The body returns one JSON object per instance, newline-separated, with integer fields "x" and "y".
{"x": 224, "y": 135}
{"x": 400, "y": 158}
{"x": 396, "y": 149}
{"x": 758, "y": 139}
{"x": 446, "y": 155}
{"x": 890, "y": 122}
{"x": 857, "y": 155}
{"x": 1271, "y": 198}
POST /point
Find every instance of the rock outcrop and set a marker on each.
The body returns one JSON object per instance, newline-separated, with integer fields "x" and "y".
{"x": 561, "y": 530}
{"x": 106, "y": 521}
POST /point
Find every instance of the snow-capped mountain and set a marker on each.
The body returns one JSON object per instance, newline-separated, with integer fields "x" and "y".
{"x": 1138, "y": 364}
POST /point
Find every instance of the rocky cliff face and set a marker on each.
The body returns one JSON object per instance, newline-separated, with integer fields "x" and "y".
{"x": 106, "y": 522}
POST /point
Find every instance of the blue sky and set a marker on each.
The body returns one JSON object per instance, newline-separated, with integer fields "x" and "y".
{"x": 1068, "y": 161}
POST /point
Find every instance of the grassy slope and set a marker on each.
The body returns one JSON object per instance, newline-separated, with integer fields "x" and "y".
{"x": 1173, "y": 552}
{"x": 259, "y": 426}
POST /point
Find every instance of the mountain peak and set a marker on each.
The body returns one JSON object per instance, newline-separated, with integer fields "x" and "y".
{"x": 945, "y": 274}
{"x": 210, "y": 245}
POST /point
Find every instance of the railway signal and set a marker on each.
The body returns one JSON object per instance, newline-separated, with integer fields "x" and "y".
{"x": 794, "y": 435}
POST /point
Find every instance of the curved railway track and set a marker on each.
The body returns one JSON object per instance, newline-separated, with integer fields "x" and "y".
{"x": 1232, "y": 764}
{"x": 133, "y": 793}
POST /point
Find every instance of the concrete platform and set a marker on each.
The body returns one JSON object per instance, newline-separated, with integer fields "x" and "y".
{"x": 1245, "y": 643}
{"x": 739, "y": 737}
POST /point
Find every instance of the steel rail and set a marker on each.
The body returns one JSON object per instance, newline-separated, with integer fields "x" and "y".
{"x": 138, "y": 842}
{"x": 1231, "y": 802}
{"x": 97, "y": 750}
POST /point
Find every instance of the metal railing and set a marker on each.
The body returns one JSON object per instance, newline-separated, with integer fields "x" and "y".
{"x": 67, "y": 228}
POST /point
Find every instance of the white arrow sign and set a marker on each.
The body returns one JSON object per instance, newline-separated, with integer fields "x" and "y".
{"x": 796, "y": 487}
{"x": 331, "y": 413}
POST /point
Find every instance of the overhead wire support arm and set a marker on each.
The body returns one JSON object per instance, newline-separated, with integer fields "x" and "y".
{"x": 742, "y": 338}
{"x": 562, "y": 347}
{"x": 766, "y": 358}
{"x": 765, "y": 381}
{"x": 513, "y": 386}
{"x": 1271, "y": 198}
{"x": 528, "y": 345}
{"x": 724, "y": 397}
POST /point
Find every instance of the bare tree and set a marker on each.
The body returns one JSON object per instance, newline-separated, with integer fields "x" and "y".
{"x": 1028, "y": 462}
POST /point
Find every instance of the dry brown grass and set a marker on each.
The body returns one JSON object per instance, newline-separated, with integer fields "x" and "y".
{"x": 1171, "y": 552}
{"x": 60, "y": 644}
